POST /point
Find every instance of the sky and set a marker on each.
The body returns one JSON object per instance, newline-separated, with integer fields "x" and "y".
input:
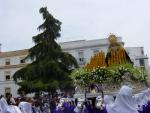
{"x": 81, "y": 19}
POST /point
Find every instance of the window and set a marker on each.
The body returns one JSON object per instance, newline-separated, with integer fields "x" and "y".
{"x": 81, "y": 56}
{"x": 141, "y": 61}
{"x": 22, "y": 60}
{"x": 7, "y": 61}
{"x": 142, "y": 51}
{"x": 81, "y": 59}
{"x": 7, "y": 90}
{"x": 7, "y": 75}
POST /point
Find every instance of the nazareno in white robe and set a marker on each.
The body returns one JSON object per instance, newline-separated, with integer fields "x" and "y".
{"x": 25, "y": 107}
{"x": 124, "y": 102}
{"x": 5, "y": 108}
{"x": 108, "y": 101}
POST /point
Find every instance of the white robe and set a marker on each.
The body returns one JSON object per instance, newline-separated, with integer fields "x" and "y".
{"x": 1, "y": 109}
{"x": 138, "y": 99}
{"x": 3, "y": 104}
{"x": 25, "y": 107}
{"x": 124, "y": 102}
{"x": 109, "y": 102}
{"x": 13, "y": 109}
{"x": 5, "y": 108}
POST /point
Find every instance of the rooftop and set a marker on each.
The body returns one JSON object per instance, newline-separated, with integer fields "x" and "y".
{"x": 86, "y": 43}
{"x": 13, "y": 53}
{"x": 65, "y": 45}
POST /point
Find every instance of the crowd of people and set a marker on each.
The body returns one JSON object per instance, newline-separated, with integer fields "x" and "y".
{"x": 123, "y": 102}
{"x": 8, "y": 104}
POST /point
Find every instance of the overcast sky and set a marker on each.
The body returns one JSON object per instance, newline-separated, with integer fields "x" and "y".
{"x": 81, "y": 19}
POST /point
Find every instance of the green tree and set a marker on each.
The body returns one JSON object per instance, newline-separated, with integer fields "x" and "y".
{"x": 51, "y": 66}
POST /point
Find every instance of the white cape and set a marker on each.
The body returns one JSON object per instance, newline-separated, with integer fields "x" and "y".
{"x": 25, "y": 107}
{"x": 5, "y": 108}
{"x": 124, "y": 102}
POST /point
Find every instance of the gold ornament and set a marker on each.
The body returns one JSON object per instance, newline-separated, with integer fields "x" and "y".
{"x": 112, "y": 38}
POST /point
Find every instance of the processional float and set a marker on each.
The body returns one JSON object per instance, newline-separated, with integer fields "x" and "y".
{"x": 105, "y": 74}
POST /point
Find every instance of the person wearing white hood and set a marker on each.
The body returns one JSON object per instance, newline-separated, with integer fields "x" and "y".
{"x": 108, "y": 101}
{"x": 5, "y": 108}
{"x": 25, "y": 107}
{"x": 139, "y": 101}
{"x": 124, "y": 102}
{"x": 1, "y": 109}
{"x": 3, "y": 104}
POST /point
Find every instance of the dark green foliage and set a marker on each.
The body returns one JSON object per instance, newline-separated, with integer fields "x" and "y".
{"x": 51, "y": 66}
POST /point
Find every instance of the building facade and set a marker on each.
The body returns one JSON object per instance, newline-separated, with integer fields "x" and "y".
{"x": 82, "y": 50}
{"x": 10, "y": 62}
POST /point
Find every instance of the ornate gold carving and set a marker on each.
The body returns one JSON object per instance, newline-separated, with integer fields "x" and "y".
{"x": 112, "y": 38}
{"x": 116, "y": 55}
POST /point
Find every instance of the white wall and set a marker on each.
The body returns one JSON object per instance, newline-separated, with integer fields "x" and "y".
{"x": 136, "y": 54}
{"x": 10, "y": 84}
{"x": 134, "y": 51}
{"x": 14, "y": 60}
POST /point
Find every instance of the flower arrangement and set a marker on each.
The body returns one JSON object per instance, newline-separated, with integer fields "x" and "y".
{"x": 108, "y": 75}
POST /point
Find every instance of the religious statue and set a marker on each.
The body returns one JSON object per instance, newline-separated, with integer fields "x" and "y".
{"x": 116, "y": 54}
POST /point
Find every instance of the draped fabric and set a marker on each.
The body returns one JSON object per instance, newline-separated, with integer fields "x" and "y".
{"x": 25, "y": 107}
{"x": 145, "y": 108}
{"x": 13, "y": 109}
{"x": 109, "y": 102}
{"x": 124, "y": 102}
{"x": 142, "y": 101}
{"x": 5, "y": 108}
{"x": 76, "y": 110}
{"x": 138, "y": 99}
{"x": 3, "y": 104}
{"x": 1, "y": 110}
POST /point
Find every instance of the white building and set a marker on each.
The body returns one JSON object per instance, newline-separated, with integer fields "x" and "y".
{"x": 82, "y": 50}
{"x": 10, "y": 62}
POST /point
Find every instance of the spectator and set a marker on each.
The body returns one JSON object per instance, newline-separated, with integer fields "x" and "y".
{"x": 10, "y": 100}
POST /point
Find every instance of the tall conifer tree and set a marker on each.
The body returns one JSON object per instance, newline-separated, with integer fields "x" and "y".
{"x": 51, "y": 66}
